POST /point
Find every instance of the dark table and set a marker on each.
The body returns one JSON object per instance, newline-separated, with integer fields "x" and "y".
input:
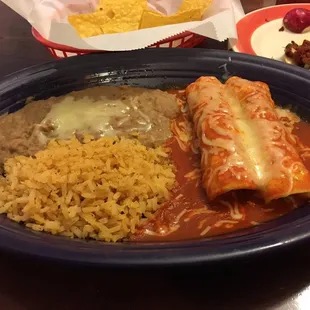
{"x": 279, "y": 280}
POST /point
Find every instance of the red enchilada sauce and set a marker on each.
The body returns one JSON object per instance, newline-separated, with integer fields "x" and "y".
{"x": 189, "y": 215}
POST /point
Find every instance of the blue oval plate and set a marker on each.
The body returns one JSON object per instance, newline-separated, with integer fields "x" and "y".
{"x": 156, "y": 68}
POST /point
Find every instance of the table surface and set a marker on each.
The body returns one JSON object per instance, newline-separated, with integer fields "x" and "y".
{"x": 278, "y": 281}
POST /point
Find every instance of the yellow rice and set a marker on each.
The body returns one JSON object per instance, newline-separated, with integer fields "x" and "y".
{"x": 97, "y": 189}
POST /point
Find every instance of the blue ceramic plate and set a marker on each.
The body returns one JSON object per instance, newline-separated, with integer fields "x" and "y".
{"x": 157, "y": 68}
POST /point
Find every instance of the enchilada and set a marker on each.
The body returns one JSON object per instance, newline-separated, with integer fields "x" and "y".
{"x": 243, "y": 143}
{"x": 224, "y": 160}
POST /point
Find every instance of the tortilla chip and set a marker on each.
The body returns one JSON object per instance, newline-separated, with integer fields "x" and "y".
{"x": 88, "y": 25}
{"x": 122, "y": 24}
{"x": 121, "y": 8}
{"x": 110, "y": 17}
{"x": 154, "y": 19}
{"x": 202, "y": 5}
{"x": 190, "y": 10}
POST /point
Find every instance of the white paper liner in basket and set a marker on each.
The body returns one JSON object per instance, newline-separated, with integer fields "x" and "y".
{"x": 49, "y": 18}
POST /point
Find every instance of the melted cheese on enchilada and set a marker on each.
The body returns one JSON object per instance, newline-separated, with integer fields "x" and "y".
{"x": 243, "y": 143}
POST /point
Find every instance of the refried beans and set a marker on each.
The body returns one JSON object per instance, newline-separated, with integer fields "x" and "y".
{"x": 139, "y": 113}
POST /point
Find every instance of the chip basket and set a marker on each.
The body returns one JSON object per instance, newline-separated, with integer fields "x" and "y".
{"x": 184, "y": 40}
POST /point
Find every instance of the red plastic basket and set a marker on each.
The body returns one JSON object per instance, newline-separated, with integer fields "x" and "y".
{"x": 184, "y": 40}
